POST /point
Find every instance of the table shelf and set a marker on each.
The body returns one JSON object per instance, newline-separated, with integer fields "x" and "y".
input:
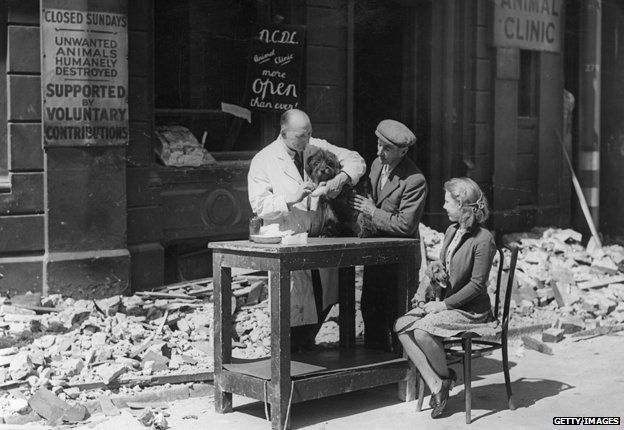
{"x": 318, "y": 374}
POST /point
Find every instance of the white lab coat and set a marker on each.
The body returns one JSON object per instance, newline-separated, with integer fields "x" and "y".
{"x": 273, "y": 175}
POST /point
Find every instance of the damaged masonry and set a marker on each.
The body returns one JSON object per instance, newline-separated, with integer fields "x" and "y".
{"x": 74, "y": 353}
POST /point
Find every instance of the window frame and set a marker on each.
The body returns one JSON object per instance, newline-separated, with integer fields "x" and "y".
{"x": 228, "y": 149}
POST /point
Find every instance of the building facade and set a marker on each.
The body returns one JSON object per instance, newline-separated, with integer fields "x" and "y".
{"x": 94, "y": 220}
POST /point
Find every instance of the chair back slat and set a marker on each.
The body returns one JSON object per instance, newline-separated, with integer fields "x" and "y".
{"x": 499, "y": 275}
{"x": 510, "y": 280}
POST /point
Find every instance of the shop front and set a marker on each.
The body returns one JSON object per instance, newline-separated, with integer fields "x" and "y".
{"x": 97, "y": 215}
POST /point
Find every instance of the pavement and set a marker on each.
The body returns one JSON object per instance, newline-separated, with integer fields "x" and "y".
{"x": 582, "y": 378}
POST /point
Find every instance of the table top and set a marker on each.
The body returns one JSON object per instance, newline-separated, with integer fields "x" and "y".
{"x": 317, "y": 244}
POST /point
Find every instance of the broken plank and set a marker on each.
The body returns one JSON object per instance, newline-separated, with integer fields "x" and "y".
{"x": 253, "y": 278}
{"x": 183, "y": 284}
{"x": 37, "y": 308}
{"x": 22, "y": 318}
{"x": 599, "y": 331}
{"x": 12, "y": 384}
{"x": 239, "y": 284}
{"x": 91, "y": 385}
{"x": 241, "y": 292}
{"x": 205, "y": 376}
{"x": 602, "y": 282}
{"x": 147, "y": 381}
{"x": 202, "y": 291}
{"x": 159, "y": 295}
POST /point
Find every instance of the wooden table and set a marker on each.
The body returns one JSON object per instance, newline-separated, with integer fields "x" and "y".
{"x": 278, "y": 380}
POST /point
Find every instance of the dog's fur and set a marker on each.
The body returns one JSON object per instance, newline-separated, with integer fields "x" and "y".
{"x": 340, "y": 219}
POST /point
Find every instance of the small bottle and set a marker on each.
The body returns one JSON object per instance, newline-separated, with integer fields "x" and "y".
{"x": 255, "y": 222}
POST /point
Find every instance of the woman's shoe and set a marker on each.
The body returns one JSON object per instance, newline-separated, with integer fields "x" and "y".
{"x": 440, "y": 398}
{"x": 453, "y": 378}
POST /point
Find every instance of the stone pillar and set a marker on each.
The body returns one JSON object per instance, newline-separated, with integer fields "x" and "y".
{"x": 86, "y": 253}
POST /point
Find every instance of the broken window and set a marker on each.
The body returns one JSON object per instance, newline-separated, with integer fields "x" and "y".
{"x": 200, "y": 62}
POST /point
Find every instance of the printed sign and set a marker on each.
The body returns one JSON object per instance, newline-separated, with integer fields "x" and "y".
{"x": 274, "y": 69}
{"x": 528, "y": 24}
{"x": 84, "y": 74}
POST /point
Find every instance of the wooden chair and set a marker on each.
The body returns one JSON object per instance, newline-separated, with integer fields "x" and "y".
{"x": 473, "y": 347}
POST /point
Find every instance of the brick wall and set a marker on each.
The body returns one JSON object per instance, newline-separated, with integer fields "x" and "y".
{"x": 325, "y": 72}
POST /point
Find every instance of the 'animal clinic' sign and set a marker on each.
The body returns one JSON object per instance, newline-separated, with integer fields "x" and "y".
{"x": 528, "y": 24}
{"x": 84, "y": 48}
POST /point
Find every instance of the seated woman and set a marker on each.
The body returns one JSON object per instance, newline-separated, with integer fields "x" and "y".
{"x": 467, "y": 253}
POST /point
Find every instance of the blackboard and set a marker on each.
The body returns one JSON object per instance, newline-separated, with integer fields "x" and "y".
{"x": 274, "y": 68}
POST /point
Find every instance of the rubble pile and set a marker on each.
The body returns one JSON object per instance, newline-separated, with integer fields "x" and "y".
{"x": 56, "y": 350}
{"x": 557, "y": 280}
{"x": 74, "y": 350}
{"x": 576, "y": 285}
{"x": 252, "y": 325}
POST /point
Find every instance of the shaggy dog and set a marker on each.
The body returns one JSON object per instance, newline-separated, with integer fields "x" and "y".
{"x": 340, "y": 219}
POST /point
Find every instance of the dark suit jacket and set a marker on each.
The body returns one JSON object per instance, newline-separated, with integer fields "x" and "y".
{"x": 401, "y": 201}
{"x": 470, "y": 269}
{"x": 400, "y": 205}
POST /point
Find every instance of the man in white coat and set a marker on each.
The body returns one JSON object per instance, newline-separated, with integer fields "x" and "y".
{"x": 279, "y": 193}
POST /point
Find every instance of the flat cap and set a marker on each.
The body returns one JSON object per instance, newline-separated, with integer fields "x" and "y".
{"x": 395, "y": 133}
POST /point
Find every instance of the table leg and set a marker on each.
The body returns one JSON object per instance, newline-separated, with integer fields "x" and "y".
{"x": 280, "y": 347}
{"x": 222, "y": 281}
{"x": 346, "y": 316}
{"x": 406, "y": 288}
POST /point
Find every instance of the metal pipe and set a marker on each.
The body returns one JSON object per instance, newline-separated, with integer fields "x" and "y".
{"x": 589, "y": 104}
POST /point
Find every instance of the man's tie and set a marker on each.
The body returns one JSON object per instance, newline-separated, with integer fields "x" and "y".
{"x": 298, "y": 159}
{"x": 384, "y": 175}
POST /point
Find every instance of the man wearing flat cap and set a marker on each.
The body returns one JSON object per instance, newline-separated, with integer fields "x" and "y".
{"x": 399, "y": 192}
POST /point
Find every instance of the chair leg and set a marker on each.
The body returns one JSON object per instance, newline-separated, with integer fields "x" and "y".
{"x": 467, "y": 345}
{"x": 421, "y": 392}
{"x": 507, "y": 378}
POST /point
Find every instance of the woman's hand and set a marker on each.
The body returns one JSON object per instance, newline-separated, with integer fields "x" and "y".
{"x": 417, "y": 301}
{"x": 434, "y": 307}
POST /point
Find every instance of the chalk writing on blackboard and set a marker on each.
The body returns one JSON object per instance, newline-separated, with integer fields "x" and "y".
{"x": 274, "y": 70}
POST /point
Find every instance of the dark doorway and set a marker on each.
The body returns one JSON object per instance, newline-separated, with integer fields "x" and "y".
{"x": 392, "y": 71}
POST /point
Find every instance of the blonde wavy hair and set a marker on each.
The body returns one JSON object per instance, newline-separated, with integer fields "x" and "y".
{"x": 470, "y": 197}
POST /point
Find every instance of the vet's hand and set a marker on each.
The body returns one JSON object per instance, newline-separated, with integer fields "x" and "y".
{"x": 434, "y": 307}
{"x": 363, "y": 204}
{"x": 301, "y": 193}
{"x": 334, "y": 186}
